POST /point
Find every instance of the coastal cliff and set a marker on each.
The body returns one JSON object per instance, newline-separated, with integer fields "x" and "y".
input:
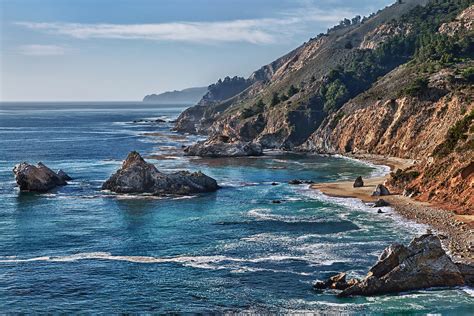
{"x": 397, "y": 83}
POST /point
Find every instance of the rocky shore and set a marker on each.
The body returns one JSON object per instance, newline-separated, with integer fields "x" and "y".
{"x": 456, "y": 231}
{"x": 420, "y": 265}
{"x": 221, "y": 146}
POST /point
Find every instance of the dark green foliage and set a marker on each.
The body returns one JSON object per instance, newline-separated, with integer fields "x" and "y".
{"x": 275, "y": 99}
{"x": 417, "y": 87}
{"x": 334, "y": 94}
{"x": 454, "y": 135}
{"x": 292, "y": 90}
{"x": 423, "y": 44}
{"x": 468, "y": 74}
{"x": 257, "y": 108}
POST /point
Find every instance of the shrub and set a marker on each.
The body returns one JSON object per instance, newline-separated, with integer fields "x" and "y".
{"x": 454, "y": 135}
{"x": 417, "y": 87}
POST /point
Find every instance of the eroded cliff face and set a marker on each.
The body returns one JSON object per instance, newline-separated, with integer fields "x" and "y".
{"x": 381, "y": 121}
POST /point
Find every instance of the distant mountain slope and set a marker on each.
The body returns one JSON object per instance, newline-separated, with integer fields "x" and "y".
{"x": 186, "y": 96}
{"x": 397, "y": 83}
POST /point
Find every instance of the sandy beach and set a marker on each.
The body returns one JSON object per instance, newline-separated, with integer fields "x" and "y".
{"x": 455, "y": 230}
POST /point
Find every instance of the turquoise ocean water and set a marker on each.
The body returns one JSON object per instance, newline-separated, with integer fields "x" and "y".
{"x": 79, "y": 249}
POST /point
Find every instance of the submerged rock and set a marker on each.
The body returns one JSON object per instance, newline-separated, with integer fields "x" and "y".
{"x": 381, "y": 190}
{"x": 358, "y": 183}
{"x": 38, "y": 178}
{"x": 336, "y": 282}
{"x": 423, "y": 264}
{"x": 138, "y": 176}
{"x": 219, "y": 147}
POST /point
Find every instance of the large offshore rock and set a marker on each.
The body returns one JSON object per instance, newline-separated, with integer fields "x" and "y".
{"x": 423, "y": 264}
{"x": 138, "y": 176}
{"x": 38, "y": 178}
{"x": 221, "y": 147}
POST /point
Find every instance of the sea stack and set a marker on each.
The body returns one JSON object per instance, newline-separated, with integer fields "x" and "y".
{"x": 38, "y": 178}
{"x": 358, "y": 183}
{"x": 138, "y": 176}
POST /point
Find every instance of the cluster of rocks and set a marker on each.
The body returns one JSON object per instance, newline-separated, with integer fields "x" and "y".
{"x": 298, "y": 182}
{"x": 135, "y": 176}
{"x": 157, "y": 121}
{"x": 423, "y": 264}
{"x": 218, "y": 147}
{"x": 38, "y": 178}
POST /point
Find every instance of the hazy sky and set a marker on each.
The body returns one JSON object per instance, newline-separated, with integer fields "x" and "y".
{"x": 58, "y": 50}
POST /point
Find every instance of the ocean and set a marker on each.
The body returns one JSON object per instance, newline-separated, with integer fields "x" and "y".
{"x": 78, "y": 249}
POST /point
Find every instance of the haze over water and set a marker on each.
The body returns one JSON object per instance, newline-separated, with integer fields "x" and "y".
{"x": 80, "y": 249}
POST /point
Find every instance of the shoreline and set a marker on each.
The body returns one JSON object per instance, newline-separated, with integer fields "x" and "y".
{"x": 455, "y": 230}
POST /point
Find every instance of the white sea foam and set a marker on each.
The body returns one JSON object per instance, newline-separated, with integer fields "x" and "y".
{"x": 468, "y": 290}
{"x": 379, "y": 170}
{"x": 264, "y": 214}
{"x": 354, "y": 204}
{"x": 203, "y": 262}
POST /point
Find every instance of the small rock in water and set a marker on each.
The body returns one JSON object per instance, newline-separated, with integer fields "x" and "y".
{"x": 276, "y": 201}
{"x": 380, "y": 211}
{"x": 274, "y": 183}
{"x": 381, "y": 190}
{"x": 295, "y": 182}
{"x": 358, "y": 183}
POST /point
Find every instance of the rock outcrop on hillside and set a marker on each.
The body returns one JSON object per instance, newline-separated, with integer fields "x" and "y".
{"x": 138, "y": 176}
{"x": 38, "y": 178}
{"x": 423, "y": 264}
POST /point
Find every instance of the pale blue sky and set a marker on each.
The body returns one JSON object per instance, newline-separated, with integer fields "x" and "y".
{"x": 76, "y": 50}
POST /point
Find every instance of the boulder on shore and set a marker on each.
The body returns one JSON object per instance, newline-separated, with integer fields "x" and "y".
{"x": 380, "y": 190}
{"x": 423, "y": 264}
{"x": 381, "y": 203}
{"x": 221, "y": 147}
{"x": 138, "y": 176}
{"x": 38, "y": 178}
{"x": 358, "y": 183}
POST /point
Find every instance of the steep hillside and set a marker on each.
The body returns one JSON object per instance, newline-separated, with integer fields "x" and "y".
{"x": 305, "y": 70}
{"x": 398, "y": 83}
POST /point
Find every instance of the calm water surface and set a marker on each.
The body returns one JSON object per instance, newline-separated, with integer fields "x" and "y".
{"x": 80, "y": 249}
